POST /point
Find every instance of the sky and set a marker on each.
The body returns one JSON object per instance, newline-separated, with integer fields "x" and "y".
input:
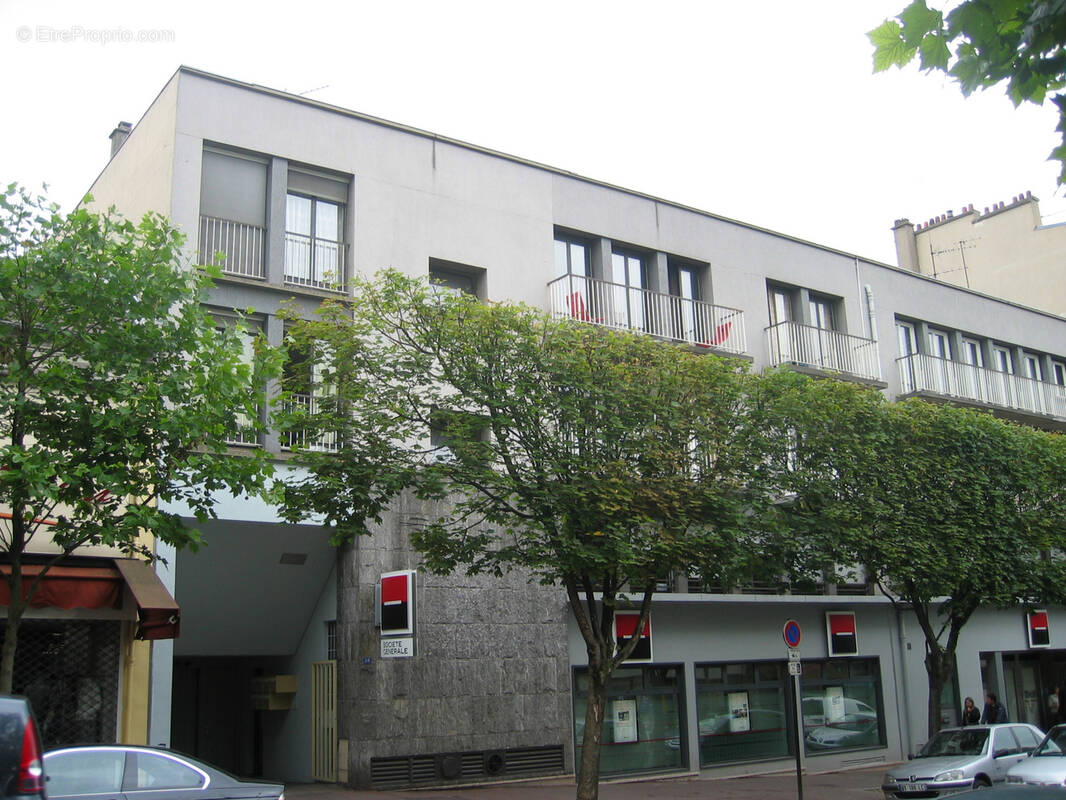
{"x": 766, "y": 113}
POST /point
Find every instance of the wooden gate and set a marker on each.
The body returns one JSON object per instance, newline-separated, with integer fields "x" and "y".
{"x": 324, "y": 721}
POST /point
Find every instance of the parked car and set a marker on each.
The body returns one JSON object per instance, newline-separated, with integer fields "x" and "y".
{"x": 1046, "y": 766}
{"x": 1013, "y": 791}
{"x": 957, "y": 759}
{"x": 21, "y": 772}
{"x": 144, "y": 773}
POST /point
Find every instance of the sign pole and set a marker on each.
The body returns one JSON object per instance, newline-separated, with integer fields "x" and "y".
{"x": 793, "y": 635}
{"x": 799, "y": 737}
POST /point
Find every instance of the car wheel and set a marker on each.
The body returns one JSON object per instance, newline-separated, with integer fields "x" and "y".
{"x": 982, "y": 783}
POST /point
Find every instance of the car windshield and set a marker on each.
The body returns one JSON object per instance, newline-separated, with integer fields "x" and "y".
{"x": 963, "y": 742}
{"x": 1054, "y": 743}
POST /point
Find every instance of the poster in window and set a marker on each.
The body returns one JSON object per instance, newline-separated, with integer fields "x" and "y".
{"x": 624, "y": 714}
{"x": 834, "y": 704}
{"x": 739, "y": 721}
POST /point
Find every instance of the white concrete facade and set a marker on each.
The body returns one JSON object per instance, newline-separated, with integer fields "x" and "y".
{"x": 416, "y": 199}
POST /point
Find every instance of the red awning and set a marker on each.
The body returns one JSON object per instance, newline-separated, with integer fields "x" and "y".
{"x": 100, "y": 586}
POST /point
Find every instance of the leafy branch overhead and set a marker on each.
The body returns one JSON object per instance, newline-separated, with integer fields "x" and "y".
{"x": 983, "y": 43}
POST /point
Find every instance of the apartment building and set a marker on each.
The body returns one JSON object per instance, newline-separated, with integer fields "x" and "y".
{"x": 1005, "y": 250}
{"x": 286, "y": 665}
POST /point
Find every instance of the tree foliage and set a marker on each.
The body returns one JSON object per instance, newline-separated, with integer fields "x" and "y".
{"x": 982, "y": 43}
{"x": 948, "y": 509}
{"x": 117, "y": 390}
{"x": 597, "y": 460}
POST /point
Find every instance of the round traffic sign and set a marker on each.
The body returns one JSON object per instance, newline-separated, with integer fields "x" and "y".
{"x": 792, "y": 633}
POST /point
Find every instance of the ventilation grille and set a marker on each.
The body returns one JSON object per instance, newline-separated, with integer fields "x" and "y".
{"x": 473, "y": 765}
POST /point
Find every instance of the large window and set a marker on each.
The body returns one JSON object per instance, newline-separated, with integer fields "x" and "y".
{"x": 841, "y": 705}
{"x": 314, "y": 229}
{"x": 233, "y": 191}
{"x": 641, "y": 730}
{"x": 743, "y": 712}
{"x": 629, "y": 281}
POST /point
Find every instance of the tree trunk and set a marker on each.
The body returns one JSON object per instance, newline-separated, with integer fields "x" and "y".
{"x": 11, "y": 635}
{"x": 588, "y": 776}
{"x": 938, "y": 664}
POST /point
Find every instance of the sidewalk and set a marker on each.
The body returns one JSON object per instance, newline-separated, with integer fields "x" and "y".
{"x": 859, "y": 784}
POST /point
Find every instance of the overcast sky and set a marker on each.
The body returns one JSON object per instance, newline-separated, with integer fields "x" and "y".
{"x": 767, "y": 113}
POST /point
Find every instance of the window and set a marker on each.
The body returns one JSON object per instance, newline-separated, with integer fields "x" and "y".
{"x": 821, "y": 311}
{"x": 780, "y": 301}
{"x": 312, "y": 241}
{"x": 1033, "y": 369}
{"x": 691, "y": 321}
{"x": 82, "y": 772}
{"x": 841, "y": 705}
{"x": 314, "y": 229}
{"x": 572, "y": 257}
{"x": 233, "y": 190}
{"x": 627, "y": 292}
{"x": 445, "y": 277}
{"x": 151, "y": 771}
{"x": 743, "y": 712}
{"x": 305, "y": 378}
{"x": 456, "y": 434}
{"x": 643, "y": 715}
{"x": 971, "y": 352}
{"x": 938, "y": 344}
{"x": 245, "y": 431}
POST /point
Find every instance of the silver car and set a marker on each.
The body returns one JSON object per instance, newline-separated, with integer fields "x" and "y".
{"x": 956, "y": 759}
{"x": 1047, "y": 765}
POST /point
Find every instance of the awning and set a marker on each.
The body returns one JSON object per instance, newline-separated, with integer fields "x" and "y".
{"x": 100, "y": 586}
{"x": 158, "y": 616}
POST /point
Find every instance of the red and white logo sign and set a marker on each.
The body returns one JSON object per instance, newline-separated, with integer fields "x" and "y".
{"x": 397, "y": 603}
{"x": 840, "y": 628}
{"x": 625, "y": 626}
{"x": 1039, "y": 630}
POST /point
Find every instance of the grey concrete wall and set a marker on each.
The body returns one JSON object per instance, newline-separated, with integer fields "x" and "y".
{"x": 490, "y": 669}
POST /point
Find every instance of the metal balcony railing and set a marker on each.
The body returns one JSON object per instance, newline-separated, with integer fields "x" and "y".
{"x": 833, "y": 351}
{"x": 244, "y": 432}
{"x": 243, "y": 246}
{"x": 314, "y": 262}
{"x": 666, "y": 316}
{"x": 326, "y": 440}
{"x": 925, "y": 373}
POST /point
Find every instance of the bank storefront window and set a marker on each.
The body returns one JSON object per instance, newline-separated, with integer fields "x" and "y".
{"x": 642, "y": 720}
{"x": 743, "y": 712}
{"x": 842, "y": 706}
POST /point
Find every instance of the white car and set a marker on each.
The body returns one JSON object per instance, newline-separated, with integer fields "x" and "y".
{"x": 1047, "y": 764}
{"x": 957, "y": 759}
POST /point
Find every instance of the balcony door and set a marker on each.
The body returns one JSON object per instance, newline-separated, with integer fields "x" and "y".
{"x": 971, "y": 372}
{"x": 908, "y": 352}
{"x": 1003, "y": 365}
{"x": 627, "y": 292}
{"x": 826, "y": 350}
{"x": 938, "y": 373}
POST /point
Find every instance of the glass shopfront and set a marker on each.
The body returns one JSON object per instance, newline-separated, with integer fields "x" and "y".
{"x": 643, "y": 718}
{"x": 743, "y": 712}
{"x": 842, "y": 706}
{"x": 746, "y": 711}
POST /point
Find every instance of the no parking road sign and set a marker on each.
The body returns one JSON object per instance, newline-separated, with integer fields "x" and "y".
{"x": 792, "y": 633}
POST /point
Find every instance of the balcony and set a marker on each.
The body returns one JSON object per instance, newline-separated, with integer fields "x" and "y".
{"x": 824, "y": 350}
{"x": 924, "y": 374}
{"x": 242, "y": 245}
{"x": 318, "y": 263}
{"x": 666, "y": 316}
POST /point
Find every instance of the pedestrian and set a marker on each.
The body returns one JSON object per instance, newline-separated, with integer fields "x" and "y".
{"x": 970, "y": 714}
{"x": 994, "y": 710}
{"x": 1053, "y": 705}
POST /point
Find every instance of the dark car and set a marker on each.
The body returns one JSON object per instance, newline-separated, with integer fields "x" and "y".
{"x": 144, "y": 773}
{"x": 21, "y": 773}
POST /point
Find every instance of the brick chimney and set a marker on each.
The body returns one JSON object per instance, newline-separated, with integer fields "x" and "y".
{"x": 119, "y": 136}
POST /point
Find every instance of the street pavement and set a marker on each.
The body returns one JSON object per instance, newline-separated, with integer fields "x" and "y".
{"x": 858, "y": 784}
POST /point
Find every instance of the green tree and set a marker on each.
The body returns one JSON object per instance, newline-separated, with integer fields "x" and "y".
{"x": 982, "y": 43}
{"x": 597, "y": 460}
{"x": 117, "y": 391}
{"x": 947, "y": 509}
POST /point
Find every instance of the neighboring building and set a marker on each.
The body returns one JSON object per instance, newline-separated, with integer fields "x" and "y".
{"x": 281, "y": 667}
{"x": 1005, "y": 251}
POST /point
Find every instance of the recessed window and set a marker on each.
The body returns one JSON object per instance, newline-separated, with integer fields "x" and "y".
{"x": 445, "y": 276}
{"x": 314, "y": 229}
